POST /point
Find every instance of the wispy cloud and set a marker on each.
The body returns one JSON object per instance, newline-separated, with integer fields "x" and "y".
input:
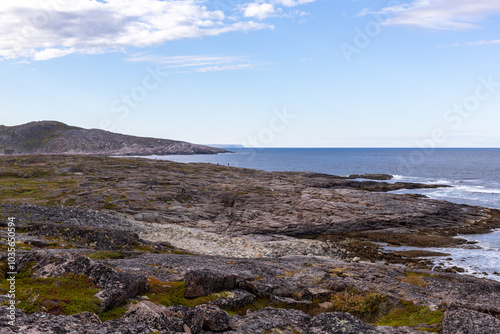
{"x": 262, "y": 9}
{"x": 197, "y": 63}
{"x": 41, "y": 30}
{"x": 478, "y": 43}
{"x": 439, "y": 14}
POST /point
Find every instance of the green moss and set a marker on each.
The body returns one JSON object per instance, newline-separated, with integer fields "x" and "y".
{"x": 102, "y": 255}
{"x": 172, "y": 293}
{"x": 408, "y": 314}
{"x": 368, "y": 306}
{"x": 3, "y": 269}
{"x": 68, "y": 294}
{"x": 114, "y": 313}
{"x": 415, "y": 274}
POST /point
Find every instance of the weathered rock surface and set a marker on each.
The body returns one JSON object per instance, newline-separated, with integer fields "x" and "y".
{"x": 45, "y": 323}
{"x": 463, "y": 321}
{"x": 115, "y": 287}
{"x": 154, "y": 316}
{"x": 252, "y": 219}
{"x": 231, "y": 201}
{"x": 235, "y": 300}
{"x": 214, "y": 319}
{"x": 201, "y": 283}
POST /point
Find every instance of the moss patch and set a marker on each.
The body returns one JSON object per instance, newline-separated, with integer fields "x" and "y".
{"x": 408, "y": 314}
{"x": 68, "y": 294}
{"x": 413, "y": 280}
{"x": 102, "y": 255}
{"x": 114, "y": 313}
{"x": 368, "y": 306}
{"x": 172, "y": 293}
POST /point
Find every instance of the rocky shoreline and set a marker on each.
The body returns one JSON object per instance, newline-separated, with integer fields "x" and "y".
{"x": 162, "y": 247}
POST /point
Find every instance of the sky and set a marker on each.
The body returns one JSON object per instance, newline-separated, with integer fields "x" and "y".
{"x": 262, "y": 73}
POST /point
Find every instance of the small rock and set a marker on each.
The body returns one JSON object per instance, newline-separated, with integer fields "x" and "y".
{"x": 214, "y": 319}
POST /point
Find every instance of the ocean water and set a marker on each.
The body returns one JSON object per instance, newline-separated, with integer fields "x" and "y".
{"x": 473, "y": 174}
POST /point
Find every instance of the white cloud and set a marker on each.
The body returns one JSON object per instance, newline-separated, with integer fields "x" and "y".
{"x": 491, "y": 42}
{"x": 439, "y": 14}
{"x": 223, "y": 68}
{"x": 291, "y": 3}
{"x": 41, "y": 30}
{"x": 260, "y": 11}
{"x": 263, "y": 9}
{"x": 199, "y": 63}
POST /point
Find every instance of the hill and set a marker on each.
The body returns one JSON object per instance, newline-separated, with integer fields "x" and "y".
{"x": 51, "y": 137}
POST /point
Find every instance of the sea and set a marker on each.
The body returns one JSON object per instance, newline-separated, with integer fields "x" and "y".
{"x": 472, "y": 173}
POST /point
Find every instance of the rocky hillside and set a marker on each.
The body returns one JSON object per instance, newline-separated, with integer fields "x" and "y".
{"x": 58, "y": 138}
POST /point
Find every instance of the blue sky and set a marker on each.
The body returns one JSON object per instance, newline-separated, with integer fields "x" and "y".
{"x": 269, "y": 73}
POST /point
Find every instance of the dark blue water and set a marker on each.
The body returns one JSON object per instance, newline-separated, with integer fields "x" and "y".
{"x": 474, "y": 175}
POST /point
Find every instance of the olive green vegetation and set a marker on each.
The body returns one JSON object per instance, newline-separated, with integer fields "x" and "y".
{"x": 368, "y": 306}
{"x": 416, "y": 279}
{"x": 407, "y": 314}
{"x": 114, "y": 313}
{"x": 172, "y": 294}
{"x": 3, "y": 269}
{"x": 67, "y": 294}
{"x": 102, "y": 255}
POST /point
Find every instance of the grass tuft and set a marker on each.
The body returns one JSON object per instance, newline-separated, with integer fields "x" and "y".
{"x": 103, "y": 255}
{"x": 408, "y": 314}
{"x": 68, "y": 294}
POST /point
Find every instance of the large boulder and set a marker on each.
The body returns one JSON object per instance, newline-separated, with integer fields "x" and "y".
{"x": 154, "y": 316}
{"x": 192, "y": 317}
{"x": 214, "y": 319}
{"x": 200, "y": 283}
{"x": 235, "y": 299}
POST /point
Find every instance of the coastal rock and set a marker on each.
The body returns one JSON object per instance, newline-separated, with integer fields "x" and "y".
{"x": 463, "y": 321}
{"x": 269, "y": 319}
{"x": 87, "y": 318}
{"x": 46, "y": 323}
{"x": 235, "y": 299}
{"x": 192, "y": 317}
{"x": 100, "y": 239}
{"x": 380, "y": 177}
{"x": 154, "y": 316}
{"x": 339, "y": 323}
{"x": 114, "y": 286}
{"x": 201, "y": 283}
{"x": 214, "y": 319}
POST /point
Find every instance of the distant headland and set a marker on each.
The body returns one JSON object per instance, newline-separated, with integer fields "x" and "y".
{"x": 52, "y": 137}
